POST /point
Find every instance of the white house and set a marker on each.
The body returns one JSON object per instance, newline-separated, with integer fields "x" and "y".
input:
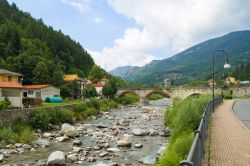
{"x": 98, "y": 88}
{"x": 41, "y": 91}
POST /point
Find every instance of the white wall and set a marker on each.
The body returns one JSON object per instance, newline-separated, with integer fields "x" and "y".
{"x": 50, "y": 92}
{"x": 99, "y": 90}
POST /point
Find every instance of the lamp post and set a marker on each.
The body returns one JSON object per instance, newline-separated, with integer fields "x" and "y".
{"x": 226, "y": 66}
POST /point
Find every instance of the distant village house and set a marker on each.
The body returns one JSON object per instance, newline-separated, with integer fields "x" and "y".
{"x": 40, "y": 91}
{"x": 11, "y": 87}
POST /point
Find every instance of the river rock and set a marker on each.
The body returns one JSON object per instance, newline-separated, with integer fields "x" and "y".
{"x": 56, "y": 158}
{"x": 62, "y": 139}
{"x": 69, "y": 130}
{"x": 71, "y": 158}
{"x": 165, "y": 133}
{"x": 77, "y": 149}
{"x": 161, "y": 150}
{"x": 27, "y": 147}
{"x": 152, "y": 132}
{"x": 101, "y": 125}
{"x": 139, "y": 132}
{"x": 91, "y": 159}
{"x": 148, "y": 160}
{"x": 42, "y": 143}
{"x": 103, "y": 154}
{"x": 77, "y": 142}
{"x": 139, "y": 145}
{"x": 113, "y": 150}
{"x": 1, "y": 158}
{"x": 46, "y": 135}
{"x": 18, "y": 145}
{"x": 124, "y": 142}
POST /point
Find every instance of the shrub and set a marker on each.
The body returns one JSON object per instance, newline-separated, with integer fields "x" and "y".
{"x": 3, "y": 104}
{"x": 156, "y": 96}
{"x": 25, "y": 136}
{"x": 111, "y": 104}
{"x": 228, "y": 96}
{"x": 39, "y": 119}
{"x": 129, "y": 98}
{"x": 93, "y": 103}
{"x": 89, "y": 91}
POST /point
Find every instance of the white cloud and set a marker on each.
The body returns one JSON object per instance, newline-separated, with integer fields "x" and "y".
{"x": 175, "y": 24}
{"x": 98, "y": 20}
{"x": 80, "y": 5}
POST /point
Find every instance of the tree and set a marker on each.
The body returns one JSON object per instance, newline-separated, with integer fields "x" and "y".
{"x": 57, "y": 76}
{"x": 110, "y": 89}
{"x": 96, "y": 73}
{"x": 70, "y": 89}
{"x": 89, "y": 91}
{"x": 40, "y": 74}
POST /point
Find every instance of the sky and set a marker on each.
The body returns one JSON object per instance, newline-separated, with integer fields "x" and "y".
{"x": 135, "y": 32}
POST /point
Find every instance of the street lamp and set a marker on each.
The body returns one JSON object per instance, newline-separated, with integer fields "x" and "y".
{"x": 226, "y": 66}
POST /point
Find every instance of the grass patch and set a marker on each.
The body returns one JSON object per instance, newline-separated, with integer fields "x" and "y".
{"x": 183, "y": 119}
{"x": 65, "y": 102}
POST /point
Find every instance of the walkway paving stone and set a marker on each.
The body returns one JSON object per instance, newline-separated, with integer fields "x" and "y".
{"x": 230, "y": 140}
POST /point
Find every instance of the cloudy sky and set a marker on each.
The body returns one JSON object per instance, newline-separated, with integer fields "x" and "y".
{"x": 134, "y": 32}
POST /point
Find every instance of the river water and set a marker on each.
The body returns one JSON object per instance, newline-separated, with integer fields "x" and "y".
{"x": 117, "y": 123}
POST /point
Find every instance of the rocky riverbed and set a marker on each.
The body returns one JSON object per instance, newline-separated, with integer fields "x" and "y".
{"x": 128, "y": 135}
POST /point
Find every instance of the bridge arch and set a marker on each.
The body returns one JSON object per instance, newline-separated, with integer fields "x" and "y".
{"x": 128, "y": 91}
{"x": 164, "y": 93}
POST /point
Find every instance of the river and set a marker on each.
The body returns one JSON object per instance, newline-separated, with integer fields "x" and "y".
{"x": 104, "y": 131}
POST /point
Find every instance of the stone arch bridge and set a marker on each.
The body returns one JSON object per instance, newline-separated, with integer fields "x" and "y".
{"x": 183, "y": 92}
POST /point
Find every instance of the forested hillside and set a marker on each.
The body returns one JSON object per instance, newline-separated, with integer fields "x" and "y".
{"x": 37, "y": 51}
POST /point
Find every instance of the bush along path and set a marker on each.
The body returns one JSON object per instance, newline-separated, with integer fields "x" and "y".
{"x": 132, "y": 134}
{"x": 183, "y": 119}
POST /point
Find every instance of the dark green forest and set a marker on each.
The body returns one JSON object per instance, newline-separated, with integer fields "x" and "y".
{"x": 37, "y": 51}
{"x": 242, "y": 72}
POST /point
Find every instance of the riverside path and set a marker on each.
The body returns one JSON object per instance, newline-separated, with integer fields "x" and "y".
{"x": 230, "y": 138}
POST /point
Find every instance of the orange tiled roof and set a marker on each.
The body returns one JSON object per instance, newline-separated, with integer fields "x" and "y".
{"x": 35, "y": 86}
{"x": 70, "y": 77}
{"x": 10, "y": 85}
{"x": 97, "y": 85}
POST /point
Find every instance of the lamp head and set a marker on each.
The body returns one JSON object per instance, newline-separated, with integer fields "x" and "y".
{"x": 227, "y": 65}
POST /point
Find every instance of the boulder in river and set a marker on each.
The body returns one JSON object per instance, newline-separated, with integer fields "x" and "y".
{"x": 113, "y": 150}
{"x": 62, "y": 139}
{"x": 56, "y": 158}
{"x": 139, "y": 132}
{"x": 71, "y": 158}
{"x": 69, "y": 130}
{"x": 148, "y": 160}
{"x": 124, "y": 142}
{"x": 77, "y": 142}
{"x": 42, "y": 143}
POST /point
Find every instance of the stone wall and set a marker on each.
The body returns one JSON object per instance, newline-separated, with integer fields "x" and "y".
{"x": 8, "y": 116}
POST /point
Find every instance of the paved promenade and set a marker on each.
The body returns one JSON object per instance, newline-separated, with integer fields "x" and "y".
{"x": 230, "y": 139}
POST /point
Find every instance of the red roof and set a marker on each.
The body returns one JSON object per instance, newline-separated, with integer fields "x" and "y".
{"x": 10, "y": 85}
{"x": 97, "y": 85}
{"x": 35, "y": 86}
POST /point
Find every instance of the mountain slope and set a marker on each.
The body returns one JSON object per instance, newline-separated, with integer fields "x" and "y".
{"x": 27, "y": 44}
{"x": 124, "y": 71}
{"x": 196, "y": 62}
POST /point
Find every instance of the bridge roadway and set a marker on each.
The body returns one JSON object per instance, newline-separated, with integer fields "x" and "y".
{"x": 183, "y": 92}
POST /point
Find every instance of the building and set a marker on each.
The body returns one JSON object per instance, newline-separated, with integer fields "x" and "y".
{"x": 80, "y": 82}
{"x": 230, "y": 80}
{"x": 11, "y": 87}
{"x": 98, "y": 88}
{"x": 167, "y": 82}
{"x": 40, "y": 91}
{"x": 210, "y": 83}
{"x": 103, "y": 81}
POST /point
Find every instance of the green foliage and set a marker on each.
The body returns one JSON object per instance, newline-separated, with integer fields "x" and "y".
{"x": 177, "y": 150}
{"x": 40, "y": 74}
{"x": 25, "y": 42}
{"x": 156, "y": 96}
{"x": 110, "y": 89}
{"x": 57, "y": 76}
{"x": 70, "y": 89}
{"x": 40, "y": 119}
{"x": 96, "y": 73}
{"x": 242, "y": 72}
{"x": 129, "y": 98}
{"x": 17, "y": 132}
{"x": 183, "y": 119}
{"x": 89, "y": 91}
{"x": 3, "y": 104}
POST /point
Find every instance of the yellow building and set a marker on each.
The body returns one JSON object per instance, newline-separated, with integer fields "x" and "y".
{"x": 11, "y": 87}
{"x": 230, "y": 80}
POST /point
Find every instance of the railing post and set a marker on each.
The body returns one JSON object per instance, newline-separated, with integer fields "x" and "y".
{"x": 186, "y": 163}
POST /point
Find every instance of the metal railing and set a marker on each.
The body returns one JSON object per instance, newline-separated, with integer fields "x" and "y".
{"x": 197, "y": 150}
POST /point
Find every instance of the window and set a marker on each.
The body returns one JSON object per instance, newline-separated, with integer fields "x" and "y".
{"x": 9, "y": 79}
{"x": 30, "y": 92}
